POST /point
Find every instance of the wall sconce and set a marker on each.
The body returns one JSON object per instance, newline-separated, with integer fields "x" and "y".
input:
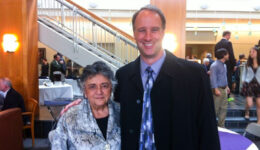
{"x": 10, "y": 43}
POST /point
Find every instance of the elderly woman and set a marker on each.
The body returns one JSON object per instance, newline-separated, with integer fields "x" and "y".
{"x": 94, "y": 123}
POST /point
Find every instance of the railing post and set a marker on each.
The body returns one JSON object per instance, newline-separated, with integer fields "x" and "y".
{"x": 62, "y": 14}
{"x": 125, "y": 49}
{"x": 74, "y": 30}
{"x": 94, "y": 35}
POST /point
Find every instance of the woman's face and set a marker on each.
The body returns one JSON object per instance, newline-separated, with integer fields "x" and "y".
{"x": 98, "y": 90}
{"x": 253, "y": 53}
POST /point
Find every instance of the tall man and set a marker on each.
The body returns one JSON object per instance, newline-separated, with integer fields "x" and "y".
{"x": 231, "y": 63}
{"x": 12, "y": 98}
{"x": 166, "y": 102}
{"x": 219, "y": 85}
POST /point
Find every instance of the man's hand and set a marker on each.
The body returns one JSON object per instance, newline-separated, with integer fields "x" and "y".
{"x": 228, "y": 90}
{"x": 66, "y": 108}
{"x": 217, "y": 92}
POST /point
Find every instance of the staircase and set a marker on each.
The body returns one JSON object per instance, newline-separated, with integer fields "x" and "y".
{"x": 82, "y": 36}
{"x": 235, "y": 115}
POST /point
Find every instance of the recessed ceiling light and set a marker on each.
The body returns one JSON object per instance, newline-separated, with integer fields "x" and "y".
{"x": 92, "y": 4}
{"x": 204, "y": 6}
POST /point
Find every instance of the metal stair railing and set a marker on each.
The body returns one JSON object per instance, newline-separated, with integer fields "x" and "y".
{"x": 76, "y": 54}
{"x": 83, "y": 27}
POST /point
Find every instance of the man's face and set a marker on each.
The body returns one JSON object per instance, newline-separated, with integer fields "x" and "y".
{"x": 226, "y": 57}
{"x": 228, "y": 36}
{"x": 148, "y": 33}
{"x": 58, "y": 58}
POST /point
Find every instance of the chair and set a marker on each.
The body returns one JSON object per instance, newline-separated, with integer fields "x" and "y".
{"x": 31, "y": 107}
{"x": 253, "y": 129}
{"x": 11, "y": 124}
{"x": 58, "y": 76}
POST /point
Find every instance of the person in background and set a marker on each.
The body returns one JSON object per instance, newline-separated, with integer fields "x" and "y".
{"x": 12, "y": 98}
{"x": 44, "y": 69}
{"x": 231, "y": 63}
{"x": 55, "y": 66}
{"x": 209, "y": 56}
{"x": 73, "y": 70}
{"x": 206, "y": 64}
{"x": 251, "y": 82}
{"x": 62, "y": 63}
{"x": 219, "y": 85}
{"x": 237, "y": 72}
{"x": 1, "y": 99}
{"x": 242, "y": 58}
{"x": 94, "y": 123}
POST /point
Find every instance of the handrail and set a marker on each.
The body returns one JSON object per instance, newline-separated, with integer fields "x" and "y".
{"x": 102, "y": 20}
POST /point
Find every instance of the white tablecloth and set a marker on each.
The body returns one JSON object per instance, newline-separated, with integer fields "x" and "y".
{"x": 55, "y": 92}
{"x": 41, "y": 81}
{"x": 75, "y": 86}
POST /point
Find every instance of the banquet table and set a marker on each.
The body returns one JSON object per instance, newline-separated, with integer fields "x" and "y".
{"x": 75, "y": 86}
{"x": 55, "y": 92}
{"x": 230, "y": 140}
{"x": 42, "y": 81}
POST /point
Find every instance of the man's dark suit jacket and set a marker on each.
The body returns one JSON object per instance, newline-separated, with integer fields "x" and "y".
{"x": 1, "y": 102}
{"x": 55, "y": 66}
{"x": 182, "y": 106}
{"x": 13, "y": 99}
{"x": 223, "y": 43}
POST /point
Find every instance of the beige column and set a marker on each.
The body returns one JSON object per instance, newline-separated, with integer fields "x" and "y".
{"x": 175, "y": 13}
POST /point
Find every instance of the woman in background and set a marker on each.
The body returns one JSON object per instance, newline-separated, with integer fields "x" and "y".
{"x": 251, "y": 82}
{"x": 44, "y": 69}
{"x": 94, "y": 123}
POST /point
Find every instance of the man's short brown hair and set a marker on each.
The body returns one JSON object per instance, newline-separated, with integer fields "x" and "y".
{"x": 226, "y": 33}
